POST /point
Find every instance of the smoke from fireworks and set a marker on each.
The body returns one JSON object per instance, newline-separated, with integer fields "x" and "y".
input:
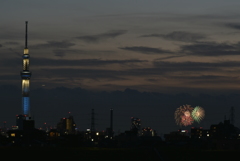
{"x": 183, "y": 115}
{"x": 198, "y": 113}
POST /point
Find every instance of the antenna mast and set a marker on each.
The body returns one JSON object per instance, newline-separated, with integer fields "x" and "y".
{"x": 26, "y": 36}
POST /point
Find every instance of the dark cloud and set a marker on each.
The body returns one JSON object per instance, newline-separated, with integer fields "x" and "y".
{"x": 170, "y": 57}
{"x": 234, "y": 25}
{"x": 101, "y": 37}
{"x": 72, "y": 68}
{"x": 11, "y": 43}
{"x": 81, "y": 62}
{"x": 15, "y": 51}
{"x": 59, "y": 53}
{"x": 7, "y": 78}
{"x": 195, "y": 66}
{"x": 55, "y": 44}
{"x": 211, "y": 49}
{"x": 206, "y": 77}
{"x": 179, "y": 36}
{"x": 10, "y": 48}
{"x": 161, "y": 69}
{"x": 146, "y": 50}
{"x": 11, "y": 35}
{"x": 201, "y": 79}
{"x": 62, "y": 74}
{"x": 213, "y": 79}
{"x": 64, "y": 52}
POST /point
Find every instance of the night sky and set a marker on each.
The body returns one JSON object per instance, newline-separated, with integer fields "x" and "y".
{"x": 142, "y": 58}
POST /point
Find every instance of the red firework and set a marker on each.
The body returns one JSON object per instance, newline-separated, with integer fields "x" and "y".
{"x": 183, "y": 115}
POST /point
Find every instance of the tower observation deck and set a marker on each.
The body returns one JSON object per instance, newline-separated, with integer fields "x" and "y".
{"x": 25, "y": 75}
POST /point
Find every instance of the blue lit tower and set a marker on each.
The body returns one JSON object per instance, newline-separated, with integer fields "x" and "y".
{"x": 24, "y": 121}
{"x": 25, "y": 75}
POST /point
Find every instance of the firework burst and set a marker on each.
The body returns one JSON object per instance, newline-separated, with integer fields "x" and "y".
{"x": 183, "y": 115}
{"x": 198, "y": 113}
{"x": 186, "y": 121}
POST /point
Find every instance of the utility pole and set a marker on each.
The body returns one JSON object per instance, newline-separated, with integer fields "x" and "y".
{"x": 92, "y": 121}
{"x": 232, "y": 116}
{"x": 111, "y": 123}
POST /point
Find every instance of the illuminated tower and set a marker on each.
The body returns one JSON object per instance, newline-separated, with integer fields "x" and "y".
{"x": 24, "y": 121}
{"x": 25, "y": 75}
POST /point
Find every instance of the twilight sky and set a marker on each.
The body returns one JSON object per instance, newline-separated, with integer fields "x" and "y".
{"x": 167, "y": 46}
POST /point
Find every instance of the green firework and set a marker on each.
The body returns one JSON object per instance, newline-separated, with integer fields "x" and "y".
{"x": 198, "y": 113}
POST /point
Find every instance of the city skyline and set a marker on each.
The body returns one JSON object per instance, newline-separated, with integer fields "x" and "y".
{"x": 156, "y": 110}
{"x": 165, "y": 47}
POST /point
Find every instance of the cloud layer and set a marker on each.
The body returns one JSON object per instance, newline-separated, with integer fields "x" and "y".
{"x": 145, "y": 50}
{"x": 101, "y": 37}
{"x": 182, "y": 36}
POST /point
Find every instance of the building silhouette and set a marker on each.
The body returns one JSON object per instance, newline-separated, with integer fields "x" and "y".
{"x": 224, "y": 130}
{"x": 109, "y": 131}
{"x": 179, "y": 135}
{"x": 148, "y": 131}
{"x": 66, "y": 126}
{"x": 136, "y": 126}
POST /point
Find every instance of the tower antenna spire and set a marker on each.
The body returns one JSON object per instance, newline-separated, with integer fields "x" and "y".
{"x": 26, "y": 34}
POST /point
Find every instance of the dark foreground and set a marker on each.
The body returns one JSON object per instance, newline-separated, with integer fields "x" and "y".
{"x": 117, "y": 154}
{"x": 172, "y": 154}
